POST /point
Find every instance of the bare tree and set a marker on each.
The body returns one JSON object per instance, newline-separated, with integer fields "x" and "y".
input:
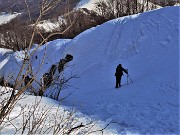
{"x": 15, "y": 36}
{"x": 33, "y": 123}
{"x": 7, "y": 107}
{"x": 116, "y": 8}
{"x": 37, "y": 118}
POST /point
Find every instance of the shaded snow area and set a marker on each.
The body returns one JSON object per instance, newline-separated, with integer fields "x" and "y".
{"x": 49, "y": 113}
{"x": 147, "y": 44}
{"x": 4, "y": 17}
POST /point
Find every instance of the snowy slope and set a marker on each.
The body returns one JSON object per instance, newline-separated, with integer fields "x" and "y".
{"x": 53, "y": 113}
{"x": 49, "y": 26}
{"x": 89, "y": 4}
{"x": 4, "y": 18}
{"x": 147, "y": 44}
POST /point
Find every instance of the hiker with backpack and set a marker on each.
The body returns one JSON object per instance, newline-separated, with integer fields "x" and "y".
{"x": 118, "y": 74}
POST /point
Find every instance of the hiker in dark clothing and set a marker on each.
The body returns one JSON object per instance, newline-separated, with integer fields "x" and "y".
{"x": 118, "y": 74}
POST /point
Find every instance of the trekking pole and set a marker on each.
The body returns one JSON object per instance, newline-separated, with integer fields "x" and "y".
{"x": 130, "y": 78}
{"x": 127, "y": 79}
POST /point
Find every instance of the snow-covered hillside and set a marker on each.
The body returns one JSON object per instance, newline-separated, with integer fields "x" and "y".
{"x": 51, "y": 113}
{"x": 49, "y": 26}
{"x": 4, "y": 17}
{"x": 147, "y": 44}
{"x": 90, "y": 4}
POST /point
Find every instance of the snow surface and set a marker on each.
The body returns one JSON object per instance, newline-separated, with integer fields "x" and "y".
{"x": 177, "y": 4}
{"x": 49, "y": 26}
{"x": 89, "y": 4}
{"x": 147, "y": 44}
{"x": 65, "y": 116}
{"x": 4, "y": 17}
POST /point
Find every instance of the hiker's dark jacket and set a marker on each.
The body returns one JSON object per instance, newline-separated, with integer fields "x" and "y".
{"x": 119, "y": 71}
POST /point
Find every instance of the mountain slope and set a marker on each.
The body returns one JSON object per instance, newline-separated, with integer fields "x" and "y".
{"x": 4, "y": 17}
{"x": 147, "y": 44}
{"x": 91, "y": 4}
